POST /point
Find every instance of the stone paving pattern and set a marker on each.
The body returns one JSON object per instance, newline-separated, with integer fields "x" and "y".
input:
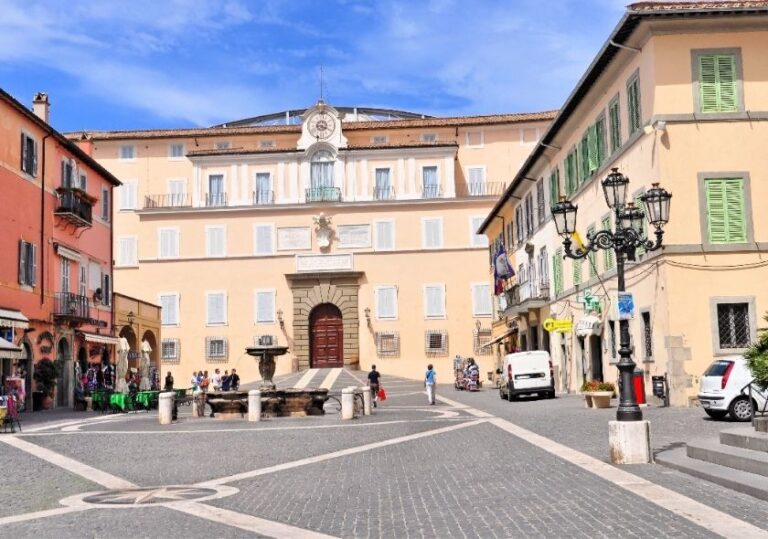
{"x": 476, "y": 481}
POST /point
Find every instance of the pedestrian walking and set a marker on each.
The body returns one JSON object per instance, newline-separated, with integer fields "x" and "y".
{"x": 429, "y": 382}
{"x": 169, "y": 381}
{"x": 235, "y": 380}
{"x": 373, "y": 382}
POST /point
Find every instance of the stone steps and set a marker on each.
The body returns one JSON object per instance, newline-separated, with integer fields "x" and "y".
{"x": 748, "y": 483}
{"x": 737, "y": 460}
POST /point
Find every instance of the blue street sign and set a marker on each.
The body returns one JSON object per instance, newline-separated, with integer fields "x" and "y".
{"x": 625, "y": 306}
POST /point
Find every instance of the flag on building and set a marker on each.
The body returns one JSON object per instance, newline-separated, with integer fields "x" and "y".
{"x": 501, "y": 270}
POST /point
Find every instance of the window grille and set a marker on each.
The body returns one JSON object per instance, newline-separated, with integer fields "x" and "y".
{"x": 264, "y": 340}
{"x": 216, "y": 348}
{"x": 647, "y": 335}
{"x": 436, "y": 342}
{"x": 481, "y": 339}
{"x": 733, "y": 325}
{"x": 387, "y": 343}
{"x": 170, "y": 350}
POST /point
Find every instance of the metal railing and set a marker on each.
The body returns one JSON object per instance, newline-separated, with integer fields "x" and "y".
{"x": 213, "y": 200}
{"x": 171, "y": 200}
{"x": 751, "y": 388}
{"x": 534, "y": 290}
{"x": 384, "y": 193}
{"x": 263, "y": 196}
{"x": 74, "y": 205}
{"x": 480, "y": 189}
{"x": 431, "y": 191}
{"x": 68, "y": 305}
{"x": 323, "y": 194}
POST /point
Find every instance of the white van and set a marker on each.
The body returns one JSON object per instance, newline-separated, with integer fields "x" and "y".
{"x": 526, "y": 373}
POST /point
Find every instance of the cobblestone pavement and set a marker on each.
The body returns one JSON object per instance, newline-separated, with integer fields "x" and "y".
{"x": 409, "y": 470}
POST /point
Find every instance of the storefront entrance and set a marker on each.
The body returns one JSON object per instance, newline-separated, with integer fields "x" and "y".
{"x": 326, "y": 336}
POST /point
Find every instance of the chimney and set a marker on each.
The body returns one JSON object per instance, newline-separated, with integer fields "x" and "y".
{"x": 41, "y": 106}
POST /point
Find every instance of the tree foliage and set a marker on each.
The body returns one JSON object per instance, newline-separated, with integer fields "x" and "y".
{"x": 757, "y": 357}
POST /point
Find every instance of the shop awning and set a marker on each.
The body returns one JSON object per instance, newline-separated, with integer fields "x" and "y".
{"x": 500, "y": 338}
{"x": 588, "y": 326}
{"x": 13, "y": 319}
{"x": 97, "y": 337}
{"x": 9, "y": 350}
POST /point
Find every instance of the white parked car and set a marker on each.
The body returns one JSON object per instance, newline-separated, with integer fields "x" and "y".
{"x": 526, "y": 373}
{"x": 720, "y": 390}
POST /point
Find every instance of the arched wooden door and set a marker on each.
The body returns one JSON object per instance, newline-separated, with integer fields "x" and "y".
{"x": 326, "y": 337}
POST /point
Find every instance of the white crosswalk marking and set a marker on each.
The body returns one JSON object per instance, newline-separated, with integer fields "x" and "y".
{"x": 302, "y": 383}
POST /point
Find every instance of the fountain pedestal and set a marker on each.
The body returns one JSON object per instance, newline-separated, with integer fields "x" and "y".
{"x": 266, "y": 356}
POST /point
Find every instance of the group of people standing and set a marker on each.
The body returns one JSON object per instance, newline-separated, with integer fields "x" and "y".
{"x": 202, "y": 381}
{"x": 430, "y": 380}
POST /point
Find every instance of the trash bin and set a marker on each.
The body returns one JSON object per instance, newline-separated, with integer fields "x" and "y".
{"x": 659, "y": 384}
{"x": 638, "y": 382}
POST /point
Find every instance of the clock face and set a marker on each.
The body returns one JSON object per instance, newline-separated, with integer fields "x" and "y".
{"x": 321, "y": 125}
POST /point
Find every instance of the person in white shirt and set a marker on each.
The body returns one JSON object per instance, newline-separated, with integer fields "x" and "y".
{"x": 216, "y": 380}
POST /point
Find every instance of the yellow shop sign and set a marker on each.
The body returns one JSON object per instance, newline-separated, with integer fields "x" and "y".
{"x": 561, "y": 326}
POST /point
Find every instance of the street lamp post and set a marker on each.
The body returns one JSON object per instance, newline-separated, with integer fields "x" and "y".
{"x": 624, "y": 240}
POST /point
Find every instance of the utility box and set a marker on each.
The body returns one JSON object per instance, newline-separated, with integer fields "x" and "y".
{"x": 638, "y": 383}
{"x": 661, "y": 388}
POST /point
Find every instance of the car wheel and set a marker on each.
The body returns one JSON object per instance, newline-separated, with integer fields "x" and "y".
{"x": 551, "y": 395}
{"x": 501, "y": 394}
{"x": 740, "y": 409}
{"x": 716, "y": 414}
{"x": 510, "y": 393}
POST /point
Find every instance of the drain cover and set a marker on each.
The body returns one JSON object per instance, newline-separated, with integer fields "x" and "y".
{"x": 149, "y": 495}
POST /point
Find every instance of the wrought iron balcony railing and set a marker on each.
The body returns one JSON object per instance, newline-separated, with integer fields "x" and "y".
{"x": 480, "y": 189}
{"x": 213, "y": 200}
{"x": 263, "y": 196}
{"x": 431, "y": 191}
{"x": 171, "y": 200}
{"x": 75, "y": 206}
{"x": 384, "y": 193}
{"x": 72, "y": 306}
{"x": 323, "y": 194}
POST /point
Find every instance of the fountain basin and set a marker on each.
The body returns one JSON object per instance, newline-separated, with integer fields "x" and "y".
{"x": 290, "y": 402}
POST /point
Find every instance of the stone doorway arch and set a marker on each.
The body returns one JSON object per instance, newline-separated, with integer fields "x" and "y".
{"x": 339, "y": 289}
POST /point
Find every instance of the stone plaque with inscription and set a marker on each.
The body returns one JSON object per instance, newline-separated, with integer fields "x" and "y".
{"x": 334, "y": 262}
{"x": 294, "y": 238}
{"x": 352, "y": 236}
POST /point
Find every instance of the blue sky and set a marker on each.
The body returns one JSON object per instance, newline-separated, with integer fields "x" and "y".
{"x": 135, "y": 64}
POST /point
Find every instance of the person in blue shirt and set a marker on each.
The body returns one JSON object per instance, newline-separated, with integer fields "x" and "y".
{"x": 430, "y": 378}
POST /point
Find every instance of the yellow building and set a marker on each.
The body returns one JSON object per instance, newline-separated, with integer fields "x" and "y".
{"x": 348, "y": 234}
{"x": 678, "y": 94}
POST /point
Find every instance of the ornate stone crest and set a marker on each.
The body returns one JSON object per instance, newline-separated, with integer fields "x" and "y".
{"x": 323, "y": 231}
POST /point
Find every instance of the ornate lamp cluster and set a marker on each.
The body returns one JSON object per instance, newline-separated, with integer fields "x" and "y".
{"x": 628, "y": 235}
{"x": 624, "y": 240}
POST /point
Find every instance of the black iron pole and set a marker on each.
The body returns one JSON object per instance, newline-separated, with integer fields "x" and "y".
{"x": 628, "y": 408}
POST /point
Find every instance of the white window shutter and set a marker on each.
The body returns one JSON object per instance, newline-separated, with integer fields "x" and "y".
{"x": 435, "y": 300}
{"x": 478, "y": 240}
{"x": 476, "y": 175}
{"x": 263, "y": 239}
{"x": 433, "y": 234}
{"x": 265, "y": 306}
{"x": 384, "y": 235}
{"x": 481, "y": 300}
{"x": 215, "y": 241}
{"x": 386, "y": 303}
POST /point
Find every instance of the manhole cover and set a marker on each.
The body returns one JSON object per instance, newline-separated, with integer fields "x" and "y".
{"x": 149, "y": 495}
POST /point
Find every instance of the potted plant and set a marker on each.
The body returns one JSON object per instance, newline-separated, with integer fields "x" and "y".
{"x": 45, "y": 375}
{"x": 597, "y": 394}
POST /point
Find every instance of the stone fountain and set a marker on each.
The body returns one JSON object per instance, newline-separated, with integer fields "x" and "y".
{"x": 274, "y": 402}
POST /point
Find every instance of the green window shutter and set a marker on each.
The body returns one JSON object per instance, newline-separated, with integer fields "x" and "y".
{"x": 716, "y": 225}
{"x": 592, "y": 256}
{"x": 726, "y": 216}
{"x": 608, "y": 252}
{"x": 615, "y": 120}
{"x": 576, "y": 272}
{"x": 569, "y": 175}
{"x": 584, "y": 149}
{"x": 736, "y": 218}
{"x": 600, "y": 144}
{"x": 554, "y": 187}
{"x": 593, "y": 154}
{"x": 633, "y": 104}
{"x": 557, "y": 272}
{"x": 717, "y": 83}
{"x": 708, "y": 84}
